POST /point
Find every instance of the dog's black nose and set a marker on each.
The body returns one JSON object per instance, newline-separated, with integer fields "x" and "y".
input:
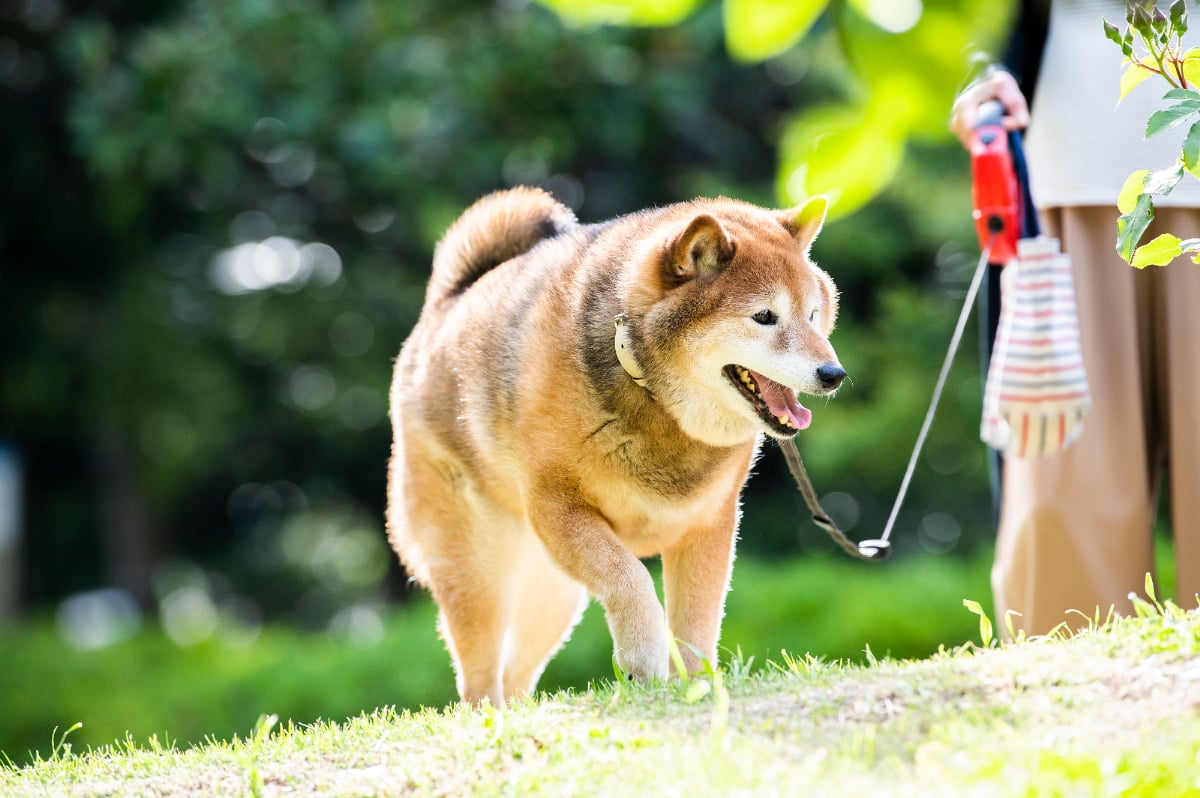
{"x": 830, "y": 375}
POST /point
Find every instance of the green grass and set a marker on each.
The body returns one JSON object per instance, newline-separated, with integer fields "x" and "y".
{"x": 1111, "y": 711}
{"x": 147, "y": 685}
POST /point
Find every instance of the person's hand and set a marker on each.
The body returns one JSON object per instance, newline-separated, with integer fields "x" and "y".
{"x": 1000, "y": 86}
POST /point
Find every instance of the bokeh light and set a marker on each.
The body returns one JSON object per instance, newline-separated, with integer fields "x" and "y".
{"x": 276, "y": 262}
{"x": 98, "y": 618}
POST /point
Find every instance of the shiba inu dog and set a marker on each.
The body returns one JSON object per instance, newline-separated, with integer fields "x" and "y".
{"x": 576, "y": 397}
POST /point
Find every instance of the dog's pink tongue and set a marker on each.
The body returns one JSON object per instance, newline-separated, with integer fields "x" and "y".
{"x": 781, "y": 401}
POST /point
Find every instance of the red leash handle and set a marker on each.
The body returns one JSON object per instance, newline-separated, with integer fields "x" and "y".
{"x": 995, "y": 190}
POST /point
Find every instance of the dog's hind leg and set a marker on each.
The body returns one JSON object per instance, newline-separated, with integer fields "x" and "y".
{"x": 472, "y": 623}
{"x": 460, "y": 548}
{"x": 546, "y": 607}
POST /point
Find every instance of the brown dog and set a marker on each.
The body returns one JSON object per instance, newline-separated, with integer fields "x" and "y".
{"x": 540, "y": 451}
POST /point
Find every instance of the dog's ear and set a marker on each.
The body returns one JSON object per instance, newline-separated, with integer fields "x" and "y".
{"x": 705, "y": 247}
{"x": 805, "y": 220}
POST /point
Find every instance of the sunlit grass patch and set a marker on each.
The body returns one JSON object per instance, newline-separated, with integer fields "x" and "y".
{"x": 1097, "y": 713}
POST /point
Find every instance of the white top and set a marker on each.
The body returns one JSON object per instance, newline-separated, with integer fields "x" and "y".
{"x": 1081, "y": 144}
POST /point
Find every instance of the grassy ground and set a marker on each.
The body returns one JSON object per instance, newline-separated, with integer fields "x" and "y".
{"x": 1112, "y": 711}
{"x": 145, "y": 685}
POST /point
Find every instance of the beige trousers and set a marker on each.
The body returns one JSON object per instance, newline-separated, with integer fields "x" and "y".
{"x": 1076, "y": 528}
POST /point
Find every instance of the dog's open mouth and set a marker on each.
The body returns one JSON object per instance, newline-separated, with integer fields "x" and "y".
{"x": 775, "y": 404}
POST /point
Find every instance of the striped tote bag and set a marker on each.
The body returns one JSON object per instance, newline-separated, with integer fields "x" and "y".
{"x": 1036, "y": 393}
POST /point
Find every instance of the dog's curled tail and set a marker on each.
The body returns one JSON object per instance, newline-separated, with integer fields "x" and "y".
{"x": 496, "y": 228}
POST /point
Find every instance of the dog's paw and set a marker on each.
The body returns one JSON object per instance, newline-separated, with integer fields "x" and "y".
{"x": 642, "y": 653}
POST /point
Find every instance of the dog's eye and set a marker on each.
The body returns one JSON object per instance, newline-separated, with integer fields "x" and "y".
{"x": 812, "y": 316}
{"x": 765, "y": 317}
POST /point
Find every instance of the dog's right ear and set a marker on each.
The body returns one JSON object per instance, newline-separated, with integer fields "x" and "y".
{"x": 805, "y": 220}
{"x": 705, "y": 247}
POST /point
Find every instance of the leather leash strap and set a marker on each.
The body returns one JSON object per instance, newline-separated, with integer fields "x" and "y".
{"x": 881, "y": 548}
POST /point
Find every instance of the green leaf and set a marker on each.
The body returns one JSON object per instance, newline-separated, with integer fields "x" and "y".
{"x": 1161, "y": 182}
{"x": 847, "y": 153}
{"x": 1132, "y": 225}
{"x": 1171, "y": 117}
{"x": 1159, "y": 251}
{"x": 985, "y": 623}
{"x": 1191, "y": 66}
{"x": 1131, "y": 78}
{"x": 1182, "y": 94}
{"x": 759, "y": 29}
{"x": 1131, "y": 190}
{"x": 649, "y": 13}
{"x": 1191, "y": 151}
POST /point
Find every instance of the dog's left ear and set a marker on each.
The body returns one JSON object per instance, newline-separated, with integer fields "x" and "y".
{"x": 705, "y": 247}
{"x": 805, "y": 220}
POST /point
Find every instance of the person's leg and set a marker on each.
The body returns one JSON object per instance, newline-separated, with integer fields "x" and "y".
{"x": 1179, "y": 391}
{"x": 1074, "y": 530}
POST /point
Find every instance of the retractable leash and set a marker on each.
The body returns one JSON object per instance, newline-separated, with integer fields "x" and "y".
{"x": 997, "y": 213}
{"x": 995, "y": 189}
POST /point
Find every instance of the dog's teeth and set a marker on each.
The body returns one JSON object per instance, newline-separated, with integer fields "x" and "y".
{"x": 784, "y": 420}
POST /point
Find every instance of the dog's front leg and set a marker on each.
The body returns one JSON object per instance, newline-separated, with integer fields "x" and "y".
{"x": 695, "y": 580}
{"x": 583, "y": 544}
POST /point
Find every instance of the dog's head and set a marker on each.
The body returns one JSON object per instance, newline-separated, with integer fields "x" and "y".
{"x": 737, "y": 320}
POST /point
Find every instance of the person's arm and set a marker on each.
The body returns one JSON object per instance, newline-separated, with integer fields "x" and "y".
{"x": 1013, "y": 81}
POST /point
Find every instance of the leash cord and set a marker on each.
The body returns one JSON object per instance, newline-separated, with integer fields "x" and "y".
{"x": 792, "y": 455}
{"x": 881, "y": 548}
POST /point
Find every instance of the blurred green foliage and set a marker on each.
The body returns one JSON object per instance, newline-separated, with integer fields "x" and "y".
{"x": 893, "y": 68}
{"x": 221, "y": 218}
{"x": 215, "y": 231}
{"x": 221, "y": 231}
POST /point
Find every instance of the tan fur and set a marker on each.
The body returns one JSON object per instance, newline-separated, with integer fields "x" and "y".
{"x": 529, "y": 471}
